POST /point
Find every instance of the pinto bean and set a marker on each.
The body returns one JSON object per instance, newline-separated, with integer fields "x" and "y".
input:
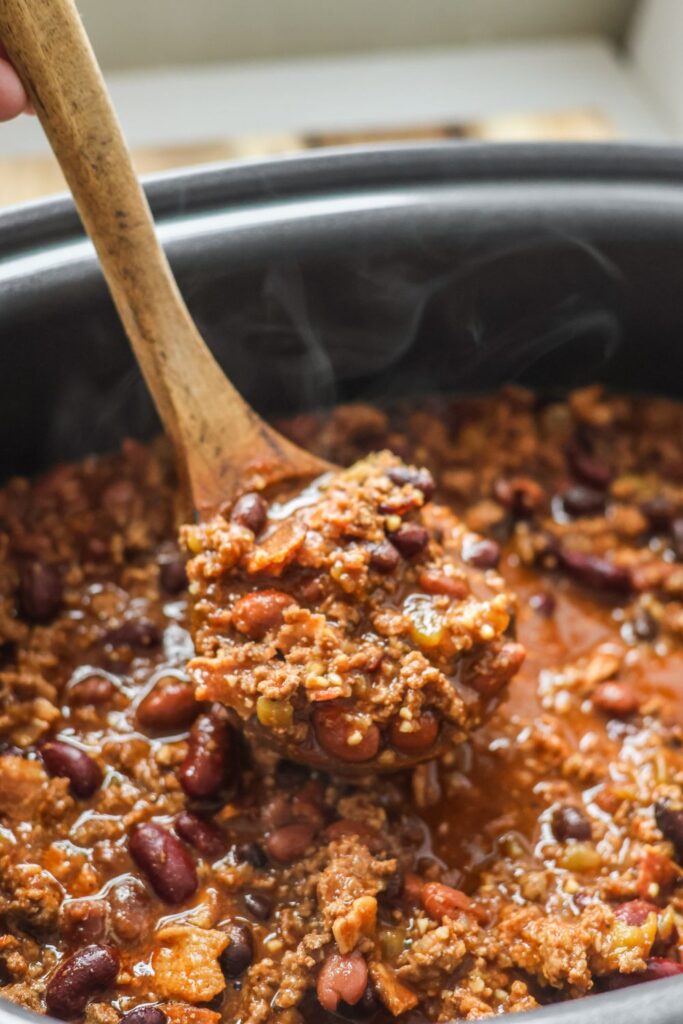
{"x": 145, "y": 1013}
{"x": 93, "y": 690}
{"x": 618, "y": 699}
{"x": 170, "y": 705}
{"x": 40, "y": 591}
{"x": 82, "y": 771}
{"x": 85, "y": 974}
{"x": 164, "y": 861}
{"x": 570, "y": 823}
{"x": 342, "y": 977}
{"x": 251, "y": 511}
{"x": 239, "y": 952}
{"x": 440, "y": 900}
{"x": 433, "y": 581}
{"x": 131, "y": 909}
{"x": 418, "y": 740}
{"x": 204, "y": 835}
{"x": 257, "y": 613}
{"x": 410, "y": 539}
{"x": 341, "y": 736}
{"x": 289, "y": 843}
{"x": 204, "y": 771}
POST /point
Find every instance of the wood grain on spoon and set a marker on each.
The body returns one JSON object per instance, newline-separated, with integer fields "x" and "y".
{"x": 221, "y": 444}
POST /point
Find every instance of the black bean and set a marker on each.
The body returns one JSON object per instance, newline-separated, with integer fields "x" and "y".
{"x": 258, "y": 905}
{"x": 543, "y": 603}
{"x": 204, "y": 835}
{"x": 165, "y": 862}
{"x": 82, "y": 771}
{"x": 40, "y": 591}
{"x": 595, "y": 572}
{"x": 410, "y": 539}
{"x": 135, "y": 633}
{"x": 669, "y": 819}
{"x": 250, "y": 853}
{"x": 239, "y": 952}
{"x": 145, "y": 1013}
{"x": 384, "y": 557}
{"x": 583, "y": 501}
{"x": 173, "y": 578}
{"x": 421, "y": 479}
{"x": 251, "y": 511}
{"x": 85, "y": 974}
{"x": 570, "y": 823}
{"x": 481, "y": 552}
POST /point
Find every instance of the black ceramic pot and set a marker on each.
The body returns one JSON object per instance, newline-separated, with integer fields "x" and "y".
{"x": 363, "y": 273}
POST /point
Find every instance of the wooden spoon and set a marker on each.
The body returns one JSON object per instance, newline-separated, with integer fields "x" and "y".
{"x": 222, "y": 445}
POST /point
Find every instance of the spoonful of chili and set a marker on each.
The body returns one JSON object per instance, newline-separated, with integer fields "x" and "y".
{"x": 345, "y": 620}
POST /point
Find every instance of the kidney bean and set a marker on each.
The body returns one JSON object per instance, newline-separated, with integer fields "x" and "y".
{"x": 440, "y": 900}
{"x": 258, "y": 905}
{"x": 91, "y": 690}
{"x": 83, "y": 921}
{"x": 290, "y": 775}
{"x": 205, "y": 836}
{"x": 169, "y": 705}
{"x": 418, "y": 741}
{"x": 257, "y": 613}
{"x": 140, "y": 634}
{"x": 173, "y": 575}
{"x": 569, "y": 822}
{"x": 583, "y": 501}
{"x": 594, "y": 572}
{"x": 433, "y": 581}
{"x": 618, "y": 699}
{"x": 84, "y": 975}
{"x": 239, "y": 952}
{"x": 251, "y": 511}
{"x": 522, "y": 495}
{"x": 210, "y": 754}
{"x": 669, "y": 819}
{"x": 422, "y": 479}
{"x": 635, "y": 912}
{"x": 543, "y": 603}
{"x": 342, "y": 977}
{"x": 334, "y": 727}
{"x": 384, "y": 557}
{"x": 481, "y": 552}
{"x": 289, "y": 843}
{"x": 588, "y": 468}
{"x": 131, "y": 909}
{"x": 250, "y": 853}
{"x": 661, "y": 967}
{"x": 145, "y": 1013}
{"x": 164, "y": 861}
{"x": 82, "y": 771}
{"x": 40, "y": 591}
{"x": 410, "y": 539}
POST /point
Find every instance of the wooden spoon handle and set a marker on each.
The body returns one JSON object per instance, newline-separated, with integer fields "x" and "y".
{"x": 200, "y": 409}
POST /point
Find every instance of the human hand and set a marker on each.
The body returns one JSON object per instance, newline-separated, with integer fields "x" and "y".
{"x": 13, "y": 98}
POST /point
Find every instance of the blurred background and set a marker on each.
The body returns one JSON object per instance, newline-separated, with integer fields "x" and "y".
{"x": 219, "y": 79}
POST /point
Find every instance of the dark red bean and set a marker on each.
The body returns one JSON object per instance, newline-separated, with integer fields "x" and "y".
{"x": 40, "y": 591}
{"x": 205, "y": 836}
{"x": 422, "y": 479}
{"x": 418, "y": 741}
{"x": 239, "y": 952}
{"x": 410, "y": 539}
{"x": 210, "y": 756}
{"x": 251, "y": 511}
{"x": 333, "y": 727}
{"x": 570, "y": 823}
{"x": 481, "y": 552}
{"x": 258, "y": 905}
{"x": 173, "y": 577}
{"x": 91, "y": 690}
{"x": 635, "y": 912}
{"x": 165, "y": 862}
{"x": 659, "y": 512}
{"x": 82, "y": 771}
{"x": 384, "y": 557}
{"x": 170, "y": 705}
{"x": 543, "y": 604}
{"x": 250, "y": 853}
{"x": 595, "y": 572}
{"x": 589, "y": 469}
{"x": 145, "y": 1013}
{"x": 583, "y": 501}
{"x": 289, "y": 843}
{"x": 140, "y": 634}
{"x": 84, "y": 975}
{"x": 669, "y": 819}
